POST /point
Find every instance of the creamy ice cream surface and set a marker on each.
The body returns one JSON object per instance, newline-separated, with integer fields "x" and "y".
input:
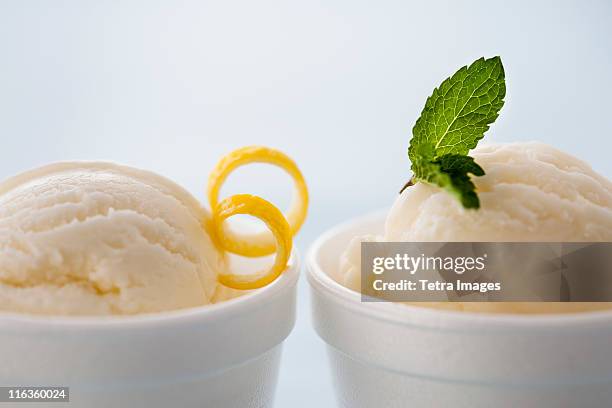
{"x": 90, "y": 238}
{"x": 530, "y": 192}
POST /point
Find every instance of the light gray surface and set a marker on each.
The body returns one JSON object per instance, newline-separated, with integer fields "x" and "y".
{"x": 170, "y": 86}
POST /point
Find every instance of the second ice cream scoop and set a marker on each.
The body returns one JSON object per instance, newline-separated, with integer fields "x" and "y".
{"x": 530, "y": 192}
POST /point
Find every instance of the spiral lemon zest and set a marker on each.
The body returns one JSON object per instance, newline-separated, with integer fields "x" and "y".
{"x": 264, "y": 243}
{"x": 276, "y": 223}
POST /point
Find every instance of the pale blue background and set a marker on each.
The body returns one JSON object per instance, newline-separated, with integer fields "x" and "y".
{"x": 170, "y": 86}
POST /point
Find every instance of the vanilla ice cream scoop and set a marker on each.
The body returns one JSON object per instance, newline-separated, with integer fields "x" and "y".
{"x": 530, "y": 192}
{"x": 93, "y": 238}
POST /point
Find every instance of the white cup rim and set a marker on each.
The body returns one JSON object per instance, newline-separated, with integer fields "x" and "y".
{"x": 168, "y": 319}
{"x": 404, "y": 314}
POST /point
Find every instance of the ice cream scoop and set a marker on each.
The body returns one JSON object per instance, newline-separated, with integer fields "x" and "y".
{"x": 530, "y": 192}
{"x": 98, "y": 238}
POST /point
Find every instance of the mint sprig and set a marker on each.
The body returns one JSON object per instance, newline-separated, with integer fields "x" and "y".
{"x": 456, "y": 116}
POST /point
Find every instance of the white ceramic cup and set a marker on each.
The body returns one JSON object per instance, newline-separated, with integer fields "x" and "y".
{"x": 387, "y": 355}
{"x": 224, "y": 355}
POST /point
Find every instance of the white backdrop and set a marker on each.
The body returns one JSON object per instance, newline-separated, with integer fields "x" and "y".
{"x": 171, "y": 85}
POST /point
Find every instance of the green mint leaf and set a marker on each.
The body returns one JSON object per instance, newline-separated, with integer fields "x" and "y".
{"x": 459, "y": 112}
{"x": 458, "y": 169}
{"x": 451, "y": 172}
{"x": 454, "y": 119}
{"x": 455, "y": 163}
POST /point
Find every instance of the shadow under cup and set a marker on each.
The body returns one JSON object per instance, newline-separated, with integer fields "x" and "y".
{"x": 395, "y": 355}
{"x": 223, "y": 355}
